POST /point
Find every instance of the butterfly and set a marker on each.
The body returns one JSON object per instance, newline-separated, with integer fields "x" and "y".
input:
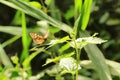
{"x": 38, "y": 38}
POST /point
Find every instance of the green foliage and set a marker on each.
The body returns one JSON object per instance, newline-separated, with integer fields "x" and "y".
{"x": 58, "y": 58}
{"x": 35, "y": 3}
{"x": 3, "y": 56}
{"x": 68, "y": 65}
{"x": 82, "y": 42}
{"x": 62, "y": 49}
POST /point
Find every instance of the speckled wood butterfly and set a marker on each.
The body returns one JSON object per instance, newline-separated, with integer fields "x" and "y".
{"x": 38, "y": 38}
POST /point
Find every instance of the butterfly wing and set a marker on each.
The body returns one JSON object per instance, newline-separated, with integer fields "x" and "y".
{"x": 37, "y": 38}
{"x": 46, "y": 35}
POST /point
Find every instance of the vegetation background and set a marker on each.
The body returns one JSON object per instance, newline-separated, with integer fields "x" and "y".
{"x": 104, "y": 19}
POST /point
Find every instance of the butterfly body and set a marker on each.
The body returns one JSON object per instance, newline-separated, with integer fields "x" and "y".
{"x": 38, "y": 38}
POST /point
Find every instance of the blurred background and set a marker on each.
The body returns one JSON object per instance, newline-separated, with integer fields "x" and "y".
{"x": 104, "y": 19}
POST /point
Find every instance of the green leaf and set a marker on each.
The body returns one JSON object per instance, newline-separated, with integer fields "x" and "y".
{"x": 64, "y": 47}
{"x": 81, "y": 77}
{"x": 68, "y": 64}
{"x": 25, "y": 39}
{"x": 78, "y": 7}
{"x": 9, "y": 41}
{"x": 53, "y": 9}
{"x": 11, "y": 30}
{"x": 4, "y": 58}
{"x": 70, "y": 13}
{"x": 36, "y": 13}
{"x": 27, "y": 61}
{"x": 84, "y": 15}
{"x": 113, "y": 21}
{"x": 56, "y": 41}
{"x": 53, "y": 30}
{"x": 15, "y": 59}
{"x": 98, "y": 59}
{"x": 58, "y": 58}
{"x": 104, "y": 17}
{"x": 35, "y": 4}
{"x": 114, "y": 67}
{"x": 82, "y": 42}
{"x": 83, "y": 18}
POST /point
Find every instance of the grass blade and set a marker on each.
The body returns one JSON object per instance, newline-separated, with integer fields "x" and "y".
{"x": 25, "y": 39}
{"x": 10, "y": 41}
{"x": 11, "y": 30}
{"x": 78, "y": 7}
{"x": 98, "y": 60}
{"x": 4, "y": 58}
{"x": 30, "y": 10}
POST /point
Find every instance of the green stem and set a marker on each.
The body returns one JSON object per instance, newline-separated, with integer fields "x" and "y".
{"x": 73, "y": 76}
{"x": 77, "y": 58}
{"x": 78, "y": 52}
{"x": 78, "y": 61}
{"x": 25, "y": 51}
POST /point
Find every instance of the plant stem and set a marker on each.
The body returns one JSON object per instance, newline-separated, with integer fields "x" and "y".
{"x": 78, "y": 52}
{"x": 78, "y": 61}
{"x": 77, "y": 58}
